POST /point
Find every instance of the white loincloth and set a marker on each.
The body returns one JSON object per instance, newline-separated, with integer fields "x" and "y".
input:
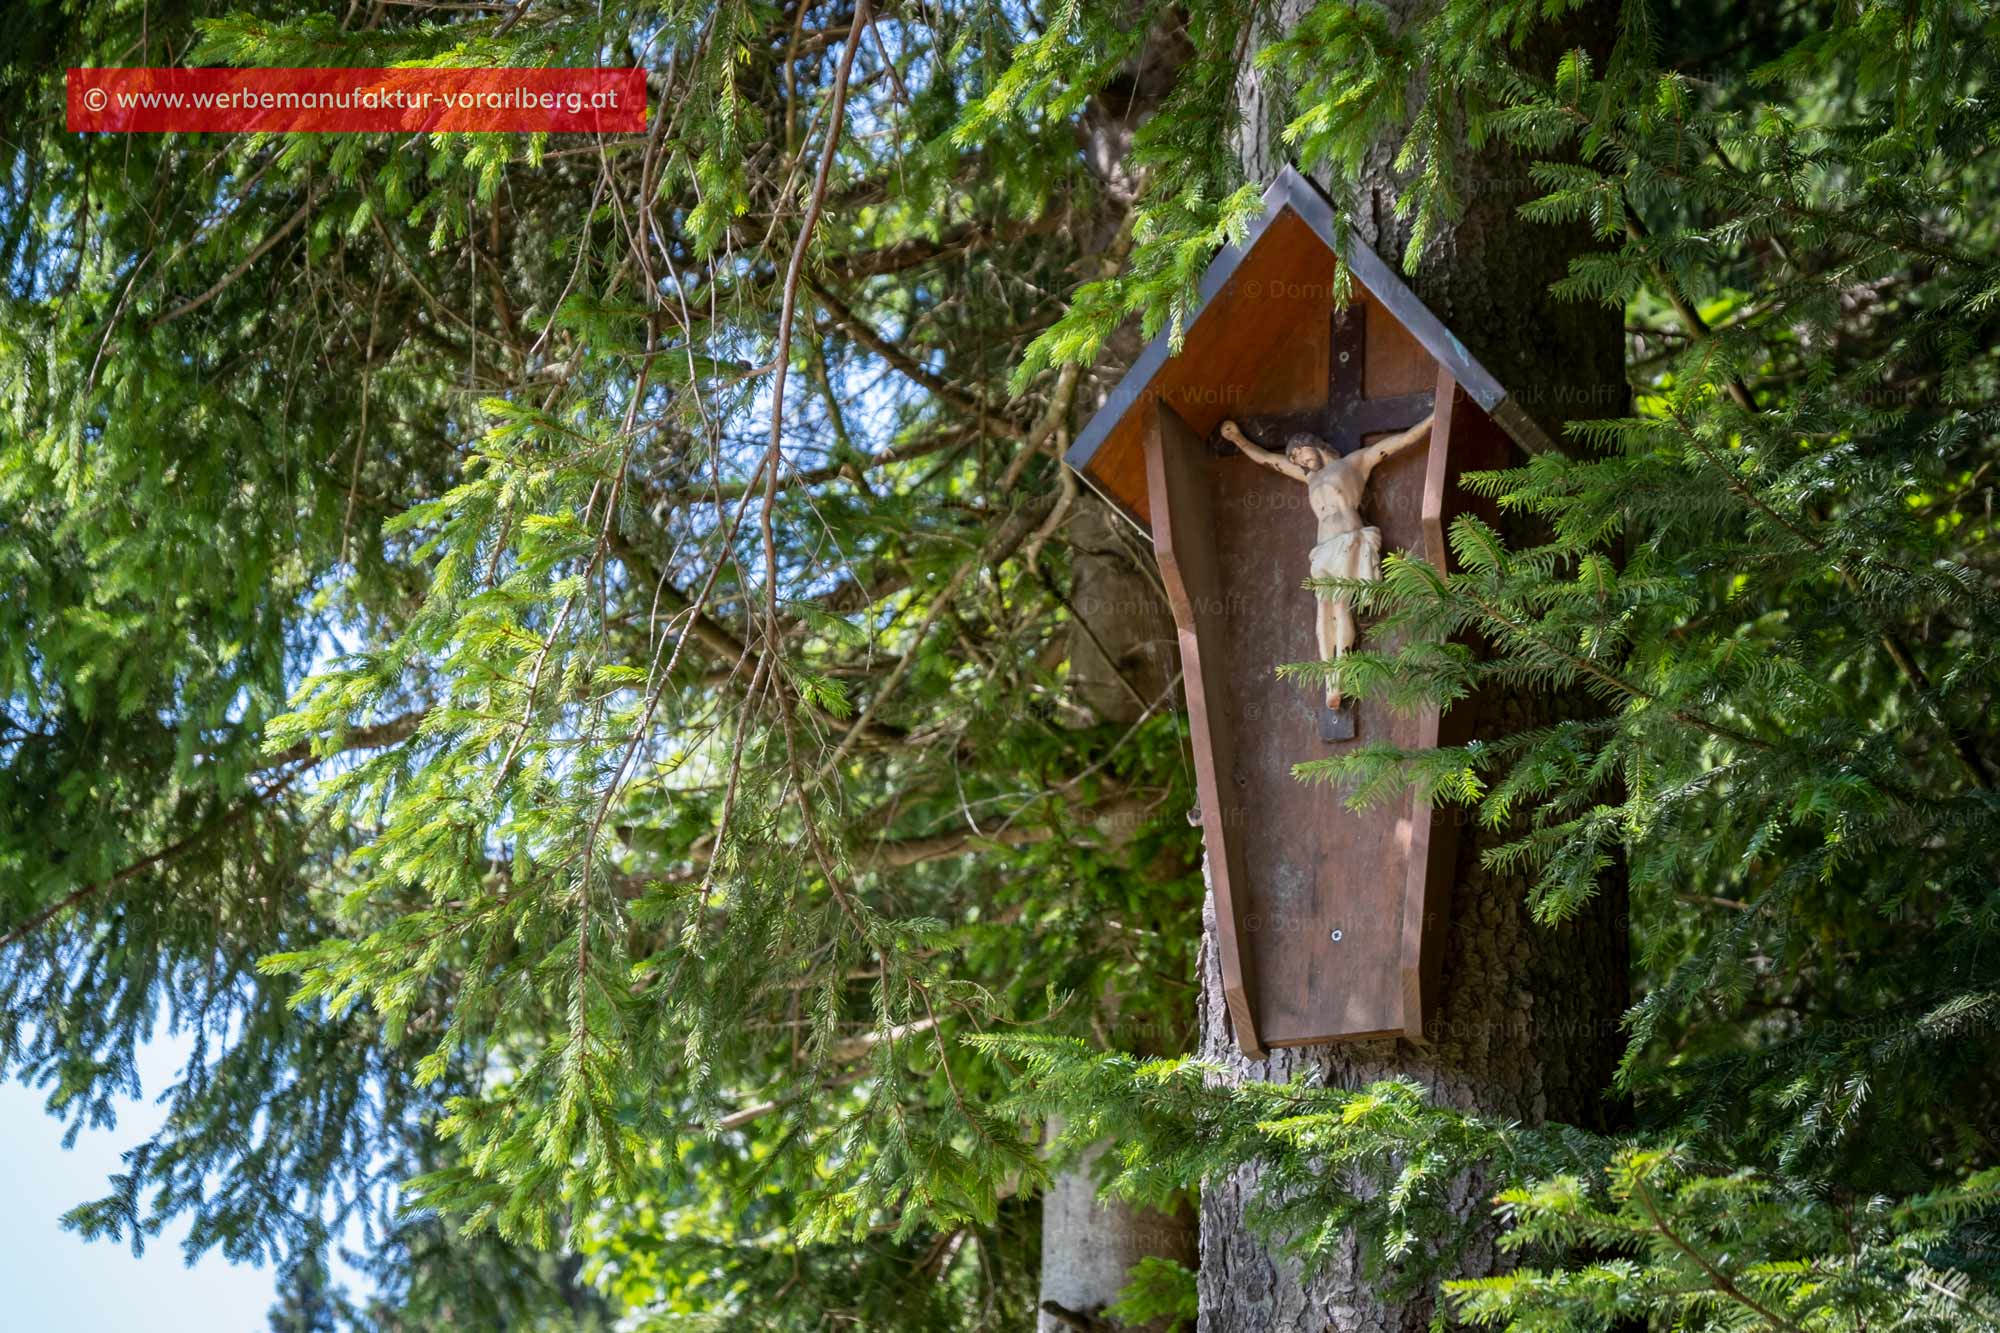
{"x": 1350, "y": 555}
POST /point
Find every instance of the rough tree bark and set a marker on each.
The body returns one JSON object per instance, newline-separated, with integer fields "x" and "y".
{"x": 1528, "y": 1024}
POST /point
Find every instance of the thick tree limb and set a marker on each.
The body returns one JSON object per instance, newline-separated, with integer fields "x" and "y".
{"x": 711, "y": 634}
{"x": 257, "y": 252}
{"x": 1118, "y": 818}
{"x": 851, "y": 268}
{"x": 1012, "y": 533}
{"x": 376, "y": 737}
{"x": 908, "y": 366}
{"x": 85, "y": 892}
{"x": 941, "y": 442}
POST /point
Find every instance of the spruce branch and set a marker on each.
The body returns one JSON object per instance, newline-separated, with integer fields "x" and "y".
{"x": 1718, "y": 1279}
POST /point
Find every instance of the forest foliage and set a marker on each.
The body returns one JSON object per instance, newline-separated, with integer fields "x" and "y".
{"x": 557, "y": 672}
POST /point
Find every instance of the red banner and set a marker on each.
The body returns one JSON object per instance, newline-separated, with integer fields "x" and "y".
{"x": 354, "y": 101}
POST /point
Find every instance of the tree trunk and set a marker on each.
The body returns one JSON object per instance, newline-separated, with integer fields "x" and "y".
{"x": 1122, "y": 658}
{"x": 1528, "y": 1024}
{"x": 1091, "y": 1245}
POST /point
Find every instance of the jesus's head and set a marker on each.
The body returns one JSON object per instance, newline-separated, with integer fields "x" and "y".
{"x": 1307, "y": 453}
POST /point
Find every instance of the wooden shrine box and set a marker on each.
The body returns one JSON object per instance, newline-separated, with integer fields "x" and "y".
{"x": 1330, "y": 923}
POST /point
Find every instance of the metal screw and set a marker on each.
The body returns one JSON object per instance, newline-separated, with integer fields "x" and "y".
{"x": 1336, "y": 935}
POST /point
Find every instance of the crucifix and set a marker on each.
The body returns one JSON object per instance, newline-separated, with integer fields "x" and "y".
{"x": 1325, "y": 449}
{"x": 1331, "y": 923}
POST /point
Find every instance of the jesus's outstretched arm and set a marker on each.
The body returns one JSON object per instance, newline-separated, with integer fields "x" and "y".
{"x": 1257, "y": 453}
{"x": 1366, "y": 459}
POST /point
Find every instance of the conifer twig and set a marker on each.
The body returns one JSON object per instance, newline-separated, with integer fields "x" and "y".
{"x": 1892, "y": 643}
{"x": 788, "y": 311}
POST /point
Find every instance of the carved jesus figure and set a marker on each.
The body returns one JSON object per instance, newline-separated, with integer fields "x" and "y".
{"x": 1347, "y": 548}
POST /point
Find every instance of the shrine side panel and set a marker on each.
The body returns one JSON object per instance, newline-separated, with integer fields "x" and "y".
{"x": 1310, "y": 866}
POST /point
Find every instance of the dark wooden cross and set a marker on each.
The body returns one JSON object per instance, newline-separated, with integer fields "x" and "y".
{"x": 1344, "y": 423}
